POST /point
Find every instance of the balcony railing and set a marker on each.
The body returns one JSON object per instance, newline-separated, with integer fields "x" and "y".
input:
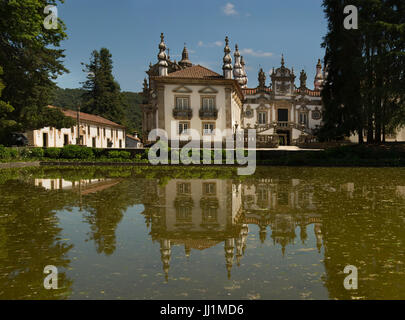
{"x": 283, "y": 124}
{"x": 182, "y": 114}
{"x": 208, "y": 114}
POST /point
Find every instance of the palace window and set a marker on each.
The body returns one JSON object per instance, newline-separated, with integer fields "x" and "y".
{"x": 209, "y": 188}
{"x": 98, "y": 131}
{"x": 208, "y": 103}
{"x": 104, "y": 132}
{"x": 183, "y": 188}
{"x": 209, "y": 215}
{"x": 262, "y": 117}
{"x": 184, "y": 214}
{"x": 208, "y": 128}
{"x": 182, "y": 103}
{"x": 184, "y": 127}
{"x": 303, "y": 118}
{"x": 88, "y": 130}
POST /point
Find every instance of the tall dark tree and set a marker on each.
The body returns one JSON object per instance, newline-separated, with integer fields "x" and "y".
{"x": 5, "y": 110}
{"x": 364, "y": 88}
{"x": 103, "y": 95}
{"x": 31, "y": 61}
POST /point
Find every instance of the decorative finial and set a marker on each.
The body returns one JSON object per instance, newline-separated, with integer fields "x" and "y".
{"x": 227, "y": 66}
{"x": 162, "y": 57}
{"x": 185, "y": 62}
{"x": 238, "y": 68}
{"x": 282, "y": 60}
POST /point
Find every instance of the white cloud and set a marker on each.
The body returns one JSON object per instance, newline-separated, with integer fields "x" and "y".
{"x": 229, "y": 9}
{"x": 210, "y": 44}
{"x": 254, "y": 53}
{"x": 218, "y": 43}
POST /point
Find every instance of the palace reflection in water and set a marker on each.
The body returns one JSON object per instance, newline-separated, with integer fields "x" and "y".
{"x": 199, "y": 214}
{"x": 272, "y": 233}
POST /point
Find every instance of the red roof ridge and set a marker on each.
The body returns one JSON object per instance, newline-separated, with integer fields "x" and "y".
{"x": 195, "y": 71}
{"x": 87, "y": 116}
{"x": 199, "y": 65}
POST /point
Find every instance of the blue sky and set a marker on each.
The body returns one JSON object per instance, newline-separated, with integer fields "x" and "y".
{"x": 130, "y": 29}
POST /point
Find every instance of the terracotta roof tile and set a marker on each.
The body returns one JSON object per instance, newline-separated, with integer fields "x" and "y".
{"x": 195, "y": 72}
{"x": 251, "y": 91}
{"x": 312, "y": 93}
{"x": 88, "y": 117}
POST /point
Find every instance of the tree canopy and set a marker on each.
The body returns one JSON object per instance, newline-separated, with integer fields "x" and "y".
{"x": 364, "y": 90}
{"x": 31, "y": 61}
{"x": 102, "y": 95}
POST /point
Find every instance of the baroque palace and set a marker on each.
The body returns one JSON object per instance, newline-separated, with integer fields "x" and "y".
{"x": 181, "y": 97}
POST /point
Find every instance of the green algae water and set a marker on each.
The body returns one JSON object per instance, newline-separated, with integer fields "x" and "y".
{"x": 190, "y": 233}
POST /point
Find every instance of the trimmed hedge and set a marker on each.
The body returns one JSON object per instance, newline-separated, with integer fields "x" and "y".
{"x": 119, "y": 154}
{"x": 77, "y": 152}
{"x": 53, "y": 153}
{"x": 37, "y": 152}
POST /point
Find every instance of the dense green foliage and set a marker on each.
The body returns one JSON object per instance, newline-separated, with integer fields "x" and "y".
{"x": 364, "y": 90}
{"x": 31, "y": 61}
{"x": 67, "y": 98}
{"x": 133, "y": 112}
{"x": 5, "y": 110}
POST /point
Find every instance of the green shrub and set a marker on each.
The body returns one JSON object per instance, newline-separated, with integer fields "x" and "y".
{"x": 37, "y": 152}
{"x": 119, "y": 154}
{"x": 53, "y": 153}
{"x": 25, "y": 153}
{"x": 13, "y": 153}
{"x": 125, "y": 154}
{"x": 4, "y": 152}
{"x": 145, "y": 154}
{"x": 98, "y": 153}
{"x": 77, "y": 152}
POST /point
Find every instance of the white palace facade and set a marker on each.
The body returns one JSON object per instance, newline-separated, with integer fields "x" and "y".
{"x": 180, "y": 98}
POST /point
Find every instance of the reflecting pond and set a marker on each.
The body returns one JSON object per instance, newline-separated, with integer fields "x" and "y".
{"x": 199, "y": 233}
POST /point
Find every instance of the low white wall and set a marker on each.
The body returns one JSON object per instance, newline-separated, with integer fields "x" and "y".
{"x": 101, "y": 134}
